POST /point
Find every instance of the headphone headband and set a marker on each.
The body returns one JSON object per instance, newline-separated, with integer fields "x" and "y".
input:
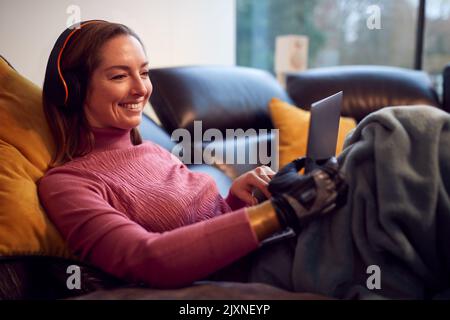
{"x": 57, "y": 87}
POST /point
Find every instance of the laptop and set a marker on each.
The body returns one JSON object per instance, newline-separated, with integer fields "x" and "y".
{"x": 323, "y": 133}
{"x": 323, "y": 128}
{"x": 322, "y": 141}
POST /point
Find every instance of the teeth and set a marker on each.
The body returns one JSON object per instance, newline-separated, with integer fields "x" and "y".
{"x": 130, "y": 105}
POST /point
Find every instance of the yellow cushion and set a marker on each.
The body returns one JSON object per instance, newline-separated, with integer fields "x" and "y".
{"x": 293, "y": 125}
{"x": 25, "y": 151}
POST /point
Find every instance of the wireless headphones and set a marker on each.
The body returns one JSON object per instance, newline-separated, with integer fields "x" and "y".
{"x": 61, "y": 89}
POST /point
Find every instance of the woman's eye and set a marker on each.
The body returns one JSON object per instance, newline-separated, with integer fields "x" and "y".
{"x": 145, "y": 74}
{"x": 118, "y": 77}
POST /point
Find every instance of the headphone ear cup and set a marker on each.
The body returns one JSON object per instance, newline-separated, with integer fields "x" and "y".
{"x": 55, "y": 84}
{"x": 74, "y": 99}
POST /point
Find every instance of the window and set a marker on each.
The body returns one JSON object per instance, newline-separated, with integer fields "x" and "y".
{"x": 437, "y": 39}
{"x": 340, "y": 31}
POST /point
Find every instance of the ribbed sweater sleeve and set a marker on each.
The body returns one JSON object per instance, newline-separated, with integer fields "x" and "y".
{"x": 234, "y": 202}
{"x": 109, "y": 239}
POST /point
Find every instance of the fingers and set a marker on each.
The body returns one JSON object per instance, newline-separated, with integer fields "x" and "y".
{"x": 252, "y": 181}
{"x": 265, "y": 172}
{"x": 258, "y": 178}
{"x": 261, "y": 183}
{"x": 263, "y": 175}
{"x": 247, "y": 197}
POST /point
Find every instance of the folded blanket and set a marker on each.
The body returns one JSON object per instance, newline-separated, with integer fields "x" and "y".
{"x": 396, "y": 220}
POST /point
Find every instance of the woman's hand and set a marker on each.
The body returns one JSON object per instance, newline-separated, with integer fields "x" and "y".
{"x": 243, "y": 185}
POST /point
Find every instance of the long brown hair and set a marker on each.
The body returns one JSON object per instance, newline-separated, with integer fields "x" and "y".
{"x": 68, "y": 123}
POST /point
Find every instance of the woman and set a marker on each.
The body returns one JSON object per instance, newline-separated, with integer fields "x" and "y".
{"x": 132, "y": 208}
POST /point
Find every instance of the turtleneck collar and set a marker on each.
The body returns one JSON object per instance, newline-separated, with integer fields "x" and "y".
{"x": 111, "y": 138}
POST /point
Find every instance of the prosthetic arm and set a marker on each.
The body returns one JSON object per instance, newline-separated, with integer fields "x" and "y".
{"x": 299, "y": 198}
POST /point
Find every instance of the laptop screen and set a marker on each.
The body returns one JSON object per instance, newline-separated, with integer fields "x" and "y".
{"x": 324, "y": 127}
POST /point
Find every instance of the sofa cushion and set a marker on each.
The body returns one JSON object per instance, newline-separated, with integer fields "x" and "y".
{"x": 293, "y": 124}
{"x": 25, "y": 151}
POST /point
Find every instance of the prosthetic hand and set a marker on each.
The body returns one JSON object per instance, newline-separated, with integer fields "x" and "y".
{"x": 297, "y": 199}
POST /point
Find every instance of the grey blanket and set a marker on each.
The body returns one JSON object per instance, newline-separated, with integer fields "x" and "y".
{"x": 395, "y": 227}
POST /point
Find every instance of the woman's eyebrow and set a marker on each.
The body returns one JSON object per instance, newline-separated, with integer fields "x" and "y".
{"x": 124, "y": 67}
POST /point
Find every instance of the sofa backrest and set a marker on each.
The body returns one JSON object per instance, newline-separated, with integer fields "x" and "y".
{"x": 220, "y": 96}
{"x": 366, "y": 88}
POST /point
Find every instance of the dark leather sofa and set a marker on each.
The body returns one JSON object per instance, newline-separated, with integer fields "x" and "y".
{"x": 223, "y": 97}
{"x": 237, "y": 97}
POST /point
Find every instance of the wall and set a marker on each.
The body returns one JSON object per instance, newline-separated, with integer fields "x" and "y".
{"x": 175, "y": 32}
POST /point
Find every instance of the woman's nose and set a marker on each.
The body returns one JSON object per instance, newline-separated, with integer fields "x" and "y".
{"x": 139, "y": 87}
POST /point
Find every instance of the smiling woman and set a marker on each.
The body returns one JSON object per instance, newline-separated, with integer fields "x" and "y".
{"x": 123, "y": 83}
{"x": 83, "y": 88}
{"x": 130, "y": 207}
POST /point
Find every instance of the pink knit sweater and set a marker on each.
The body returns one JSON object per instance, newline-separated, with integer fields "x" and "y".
{"x": 140, "y": 214}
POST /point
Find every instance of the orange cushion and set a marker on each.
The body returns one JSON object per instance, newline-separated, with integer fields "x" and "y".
{"x": 25, "y": 151}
